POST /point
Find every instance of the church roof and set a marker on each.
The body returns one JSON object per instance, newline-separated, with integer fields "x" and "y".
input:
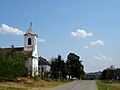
{"x": 30, "y": 31}
{"x": 43, "y": 61}
{"x": 18, "y": 50}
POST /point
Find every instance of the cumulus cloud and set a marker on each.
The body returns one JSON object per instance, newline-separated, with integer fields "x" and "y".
{"x": 5, "y": 29}
{"x": 102, "y": 57}
{"x": 97, "y": 43}
{"x": 41, "y": 40}
{"x": 81, "y": 34}
{"x": 94, "y": 43}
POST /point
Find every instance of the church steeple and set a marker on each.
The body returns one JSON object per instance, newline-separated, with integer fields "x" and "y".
{"x": 30, "y": 28}
{"x": 30, "y": 39}
{"x": 30, "y": 44}
{"x": 30, "y": 31}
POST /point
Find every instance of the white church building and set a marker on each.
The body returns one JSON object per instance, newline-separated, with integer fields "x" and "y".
{"x": 31, "y": 51}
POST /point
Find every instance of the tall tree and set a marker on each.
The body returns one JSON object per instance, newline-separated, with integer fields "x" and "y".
{"x": 59, "y": 68}
{"x": 104, "y": 74}
{"x": 76, "y": 68}
{"x": 54, "y": 68}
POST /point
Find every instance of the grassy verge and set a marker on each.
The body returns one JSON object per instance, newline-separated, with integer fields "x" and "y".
{"x": 66, "y": 81}
{"x": 31, "y": 84}
{"x": 28, "y": 84}
{"x": 105, "y": 85}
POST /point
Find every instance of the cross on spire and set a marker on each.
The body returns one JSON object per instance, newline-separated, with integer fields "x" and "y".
{"x": 30, "y": 24}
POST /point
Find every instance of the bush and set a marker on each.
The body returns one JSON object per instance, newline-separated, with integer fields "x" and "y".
{"x": 12, "y": 66}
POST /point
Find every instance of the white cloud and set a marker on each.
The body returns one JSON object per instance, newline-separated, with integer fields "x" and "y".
{"x": 86, "y": 47}
{"x": 97, "y": 43}
{"x": 41, "y": 40}
{"x": 102, "y": 57}
{"x": 94, "y": 43}
{"x": 5, "y": 29}
{"x": 81, "y": 34}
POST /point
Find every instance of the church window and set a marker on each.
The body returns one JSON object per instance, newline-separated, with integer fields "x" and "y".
{"x": 29, "y": 41}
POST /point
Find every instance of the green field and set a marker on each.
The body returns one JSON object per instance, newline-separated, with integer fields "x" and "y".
{"x": 105, "y": 85}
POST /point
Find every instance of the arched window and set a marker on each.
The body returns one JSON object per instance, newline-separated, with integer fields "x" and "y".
{"x": 29, "y": 41}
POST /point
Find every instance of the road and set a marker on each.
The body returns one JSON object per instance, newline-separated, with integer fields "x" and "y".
{"x": 77, "y": 85}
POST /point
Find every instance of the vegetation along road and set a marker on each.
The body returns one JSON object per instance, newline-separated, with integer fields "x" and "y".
{"x": 78, "y": 85}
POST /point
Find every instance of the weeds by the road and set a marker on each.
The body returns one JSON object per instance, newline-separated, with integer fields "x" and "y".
{"x": 29, "y": 84}
{"x": 103, "y": 85}
{"x": 66, "y": 81}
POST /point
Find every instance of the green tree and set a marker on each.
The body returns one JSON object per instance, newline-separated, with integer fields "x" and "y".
{"x": 111, "y": 73}
{"x": 117, "y": 73}
{"x": 76, "y": 68}
{"x": 54, "y": 68}
{"x": 104, "y": 75}
{"x": 59, "y": 67}
{"x": 12, "y": 65}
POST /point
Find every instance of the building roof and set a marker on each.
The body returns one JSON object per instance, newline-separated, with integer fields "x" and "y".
{"x": 18, "y": 50}
{"x": 43, "y": 61}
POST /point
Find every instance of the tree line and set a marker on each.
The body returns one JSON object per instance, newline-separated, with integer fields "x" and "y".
{"x": 111, "y": 73}
{"x": 71, "y": 68}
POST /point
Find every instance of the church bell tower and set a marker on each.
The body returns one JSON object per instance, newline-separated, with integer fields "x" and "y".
{"x": 30, "y": 45}
{"x": 30, "y": 40}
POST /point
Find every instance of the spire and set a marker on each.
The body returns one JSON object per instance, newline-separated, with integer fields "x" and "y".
{"x": 30, "y": 28}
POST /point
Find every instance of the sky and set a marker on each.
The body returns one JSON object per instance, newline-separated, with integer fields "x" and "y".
{"x": 88, "y": 28}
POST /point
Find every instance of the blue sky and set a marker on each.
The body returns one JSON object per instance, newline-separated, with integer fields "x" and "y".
{"x": 89, "y": 28}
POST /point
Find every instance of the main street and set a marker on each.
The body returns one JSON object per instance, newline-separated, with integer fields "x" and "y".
{"x": 77, "y": 85}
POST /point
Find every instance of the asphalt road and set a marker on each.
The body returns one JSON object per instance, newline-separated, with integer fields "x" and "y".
{"x": 77, "y": 85}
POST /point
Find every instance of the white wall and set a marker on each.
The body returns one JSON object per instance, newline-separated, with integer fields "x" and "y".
{"x": 32, "y": 62}
{"x": 45, "y": 67}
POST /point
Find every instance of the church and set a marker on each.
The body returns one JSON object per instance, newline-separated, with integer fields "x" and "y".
{"x": 30, "y": 50}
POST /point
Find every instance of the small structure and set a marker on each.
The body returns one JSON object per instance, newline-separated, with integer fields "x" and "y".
{"x": 94, "y": 75}
{"x": 43, "y": 67}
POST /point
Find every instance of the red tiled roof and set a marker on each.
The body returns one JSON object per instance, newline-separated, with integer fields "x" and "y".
{"x": 18, "y": 50}
{"x": 43, "y": 61}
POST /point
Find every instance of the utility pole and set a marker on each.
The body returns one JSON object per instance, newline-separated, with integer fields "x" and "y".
{"x": 59, "y": 76}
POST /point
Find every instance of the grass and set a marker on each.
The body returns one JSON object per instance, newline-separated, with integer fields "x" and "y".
{"x": 29, "y": 84}
{"x": 66, "y": 81}
{"x": 11, "y": 86}
{"x": 105, "y": 85}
